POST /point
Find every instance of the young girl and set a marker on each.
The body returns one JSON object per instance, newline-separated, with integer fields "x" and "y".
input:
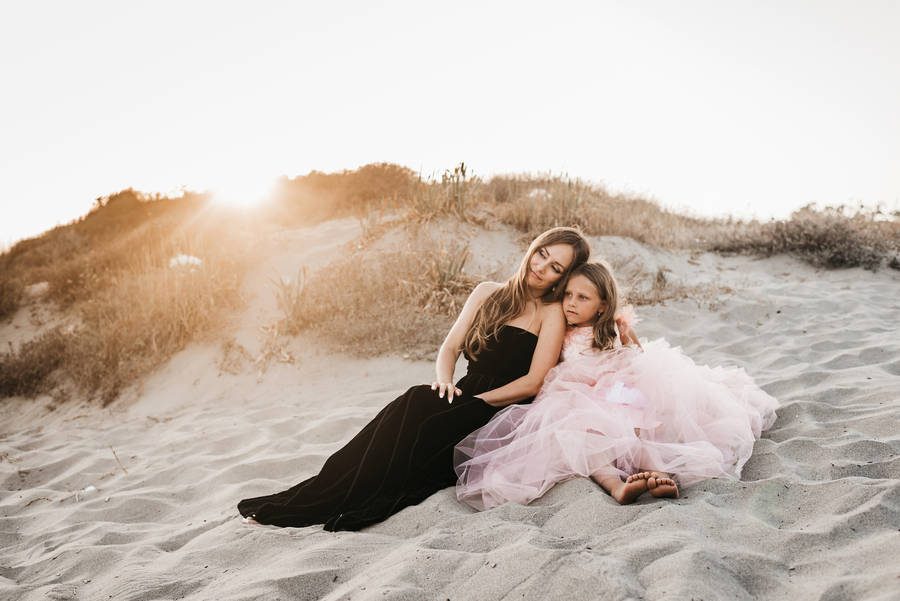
{"x": 624, "y": 416}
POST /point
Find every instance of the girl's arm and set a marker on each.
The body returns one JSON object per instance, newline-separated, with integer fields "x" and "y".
{"x": 546, "y": 355}
{"x": 626, "y": 319}
{"x": 450, "y": 349}
{"x": 629, "y": 336}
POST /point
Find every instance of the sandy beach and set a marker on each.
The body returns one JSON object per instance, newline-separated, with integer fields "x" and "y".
{"x": 136, "y": 501}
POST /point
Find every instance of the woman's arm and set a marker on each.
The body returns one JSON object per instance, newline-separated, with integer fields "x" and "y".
{"x": 449, "y": 353}
{"x": 546, "y": 355}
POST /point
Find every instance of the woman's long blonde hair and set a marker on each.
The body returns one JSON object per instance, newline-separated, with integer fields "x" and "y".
{"x": 601, "y": 276}
{"x": 510, "y": 300}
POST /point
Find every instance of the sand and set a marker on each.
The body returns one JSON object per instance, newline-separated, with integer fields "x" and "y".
{"x": 137, "y": 501}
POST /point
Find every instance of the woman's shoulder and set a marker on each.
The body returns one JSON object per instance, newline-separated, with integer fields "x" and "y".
{"x": 480, "y": 294}
{"x": 485, "y": 289}
{"x": 552, "y": 310}
{"x": 489, "y": 286}
{"x": 551, "y": 316}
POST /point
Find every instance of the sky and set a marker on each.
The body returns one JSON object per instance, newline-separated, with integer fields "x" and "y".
{"x": 750, "y": 109}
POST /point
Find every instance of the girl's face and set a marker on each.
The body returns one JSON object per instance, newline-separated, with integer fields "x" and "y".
{"x": 547, "y": 265}
{"x": 582, "y": 302}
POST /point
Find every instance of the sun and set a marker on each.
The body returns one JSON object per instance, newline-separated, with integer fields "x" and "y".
{"x": 242, "y": 191}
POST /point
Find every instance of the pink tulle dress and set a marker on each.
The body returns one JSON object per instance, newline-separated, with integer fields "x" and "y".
{"x": 615, "y": 412}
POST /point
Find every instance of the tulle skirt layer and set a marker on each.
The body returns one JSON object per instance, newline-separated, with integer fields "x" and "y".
{"x": 616, "y": 413}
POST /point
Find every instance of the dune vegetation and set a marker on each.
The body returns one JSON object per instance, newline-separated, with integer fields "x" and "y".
{"x": 126, "y": 302}
{"x": 127, "y": 306}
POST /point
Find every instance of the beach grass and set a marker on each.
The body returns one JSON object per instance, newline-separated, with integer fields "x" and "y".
{"x": 129, "y": 303}
{"x": 10, "y": 296}
{"x": 532, "y": 204}
{"x": 834, "y": 237}
{"x": 372, "y": 302}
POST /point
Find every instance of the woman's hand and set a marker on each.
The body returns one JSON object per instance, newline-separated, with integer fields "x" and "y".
{"x": 450, "y": 349}
{"x": 446, "y": 388}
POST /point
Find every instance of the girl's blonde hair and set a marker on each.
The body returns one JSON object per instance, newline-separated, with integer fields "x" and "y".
{"x": 510, "y": 300}
{"x": 601, "y": 276}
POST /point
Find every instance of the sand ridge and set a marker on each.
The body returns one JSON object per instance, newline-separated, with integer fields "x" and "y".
{"x": 816, "y": 514}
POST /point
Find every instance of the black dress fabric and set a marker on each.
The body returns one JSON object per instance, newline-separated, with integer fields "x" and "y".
{"x": 404, "y": 454}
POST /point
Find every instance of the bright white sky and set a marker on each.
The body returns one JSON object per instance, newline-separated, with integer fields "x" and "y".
{"x": 743, "y": 108}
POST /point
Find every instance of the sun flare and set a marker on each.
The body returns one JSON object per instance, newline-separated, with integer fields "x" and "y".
{"x": 242, "y": 192}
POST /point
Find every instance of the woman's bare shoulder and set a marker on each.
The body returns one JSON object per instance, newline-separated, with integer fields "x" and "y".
{"x": 549, "y": 309}
{"x": 484, "y": 289}
{"x": 552, "y": 313}
{"x": 480, "y": 294}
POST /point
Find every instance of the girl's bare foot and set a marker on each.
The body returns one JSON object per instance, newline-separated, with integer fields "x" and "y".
{"x": 662, "y": 486}
{"x": 623, "y": 492}
{"x": 250, "y": 520}
{"x": 635, "y": 485}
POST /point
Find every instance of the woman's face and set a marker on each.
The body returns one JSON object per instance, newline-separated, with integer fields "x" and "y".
{"x": 582, "y": 302}
{"x": 547, "y": 265}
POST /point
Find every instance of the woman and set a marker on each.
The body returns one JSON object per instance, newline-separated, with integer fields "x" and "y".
{"x": 511, "y": 334}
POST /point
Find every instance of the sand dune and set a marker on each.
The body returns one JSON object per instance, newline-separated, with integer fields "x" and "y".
{"x": 815, "y": 516}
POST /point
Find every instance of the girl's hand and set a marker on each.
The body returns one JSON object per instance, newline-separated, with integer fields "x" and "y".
{"x": 448, "y": 388}
{"x": 627, "y": 334}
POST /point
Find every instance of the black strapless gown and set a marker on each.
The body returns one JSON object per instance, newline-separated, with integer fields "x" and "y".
{"x": 404, "y": 454}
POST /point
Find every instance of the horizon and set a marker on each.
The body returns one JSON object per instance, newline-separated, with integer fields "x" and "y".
{"x": 706, "y": 109}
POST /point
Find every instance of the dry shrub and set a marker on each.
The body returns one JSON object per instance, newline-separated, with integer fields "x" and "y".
{"x": 145, "y": 318}
{"x": 78, "y": 258}
{"x": 829, "y": 238}
{"x": 533, "y": 204}
{"x": 311, "y": 198}
{"x": 455, "y": 194}
{"x": 101, "y": 264}
{"x": 126, "y": 329}
{"x": 232, "y": 356}
{"x": 290, "y": 294}
{"x": 369, "y": 224}
{"x": 641, "y": 288}
{"x": 29, "y": 369}
{"x": 426, "y": 200}
{"x": 132, "y": 308}
{"x": 833, "y": 237}
{"x": 445, "y": 284}
{"x": 375, "y": 302}
{"x": 10, "y": 296}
